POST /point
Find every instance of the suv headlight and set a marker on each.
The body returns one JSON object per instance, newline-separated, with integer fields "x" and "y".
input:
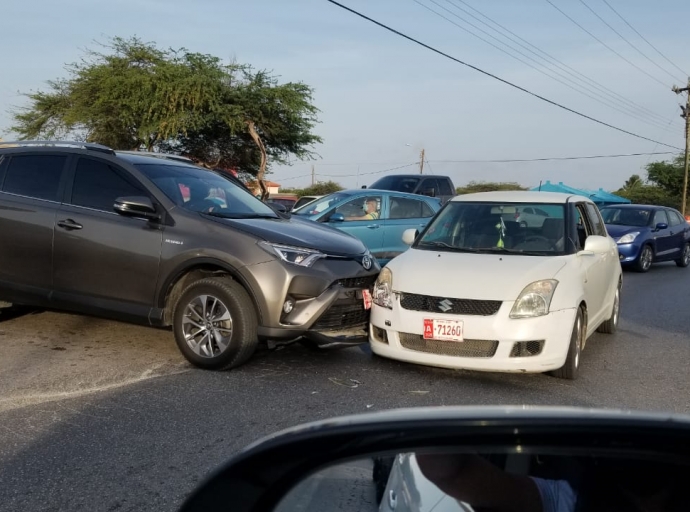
{"x": 534, "y": 300}
{"x": 295, "y": 255}
{"x": 629, "y": 238}
{"x": 383, "y": 289}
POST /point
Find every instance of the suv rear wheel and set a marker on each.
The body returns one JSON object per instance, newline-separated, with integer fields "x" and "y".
{"x": 215, "y": 324}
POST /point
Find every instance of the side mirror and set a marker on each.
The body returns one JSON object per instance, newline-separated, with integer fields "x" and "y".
{"x": 429, "y": 192}
{"x": 596, "y": 244}
{"x": 661, "y": 225}
{"x": 136, "y": 206}
{"x": 409, "y": 236}
{"x": 337, "y": 217}
{"x": 364, "y": 186}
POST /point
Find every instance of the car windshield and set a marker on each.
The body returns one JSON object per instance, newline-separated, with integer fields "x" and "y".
{"x": 494, "y": 227}
{"x": 199, "y": 190}
{"x": 396, "y": 183}
{"x": 322, "y": 204}
{"x": 636, "y": 217}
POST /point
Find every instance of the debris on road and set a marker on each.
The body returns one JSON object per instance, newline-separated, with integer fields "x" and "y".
{"x": 339, "y": 382}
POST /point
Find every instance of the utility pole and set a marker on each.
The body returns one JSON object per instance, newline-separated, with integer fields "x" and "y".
{"x": 685, "y": 115}
{"x": 313, "y": 176}
{"x": 421, "y": 162}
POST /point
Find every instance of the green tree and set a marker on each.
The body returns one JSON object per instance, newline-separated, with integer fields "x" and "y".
{"x": 488, "y": 186}
{"x": 633, "y": 183}
{"x": 319, "y": 189}
{"x": 668, "y": 175}
{"x": 137, "y": 96}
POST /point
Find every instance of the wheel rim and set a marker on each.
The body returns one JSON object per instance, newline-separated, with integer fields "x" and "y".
{"x": 646, "y": 258}
{"x": 207, "y": 326}
{"x": 616, "y": 306}
{"x": 686, "y": 254}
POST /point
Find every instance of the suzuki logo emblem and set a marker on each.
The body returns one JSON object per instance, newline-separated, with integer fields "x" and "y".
{"x": 445, "y": 305}
{"x": 366, "y": 262}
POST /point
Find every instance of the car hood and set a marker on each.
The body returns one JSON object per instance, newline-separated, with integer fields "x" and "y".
{"x": 299, "y": 233}
{"x": 616, "y": 230}
{"x": 470, "y": 276}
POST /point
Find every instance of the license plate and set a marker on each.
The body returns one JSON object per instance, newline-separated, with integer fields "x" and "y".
{"x": 445, "y": 330}
{"x": 366, "y": 298}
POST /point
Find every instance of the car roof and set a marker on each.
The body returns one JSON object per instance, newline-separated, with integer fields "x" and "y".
{"x": 520, "y": 196}
{"x": 636, "y": 206}
{"x": 375, "y": 191}
{"x": 141, "y": 157}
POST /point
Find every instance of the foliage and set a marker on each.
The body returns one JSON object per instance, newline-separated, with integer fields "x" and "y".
{"x": 664, "y": 185}
{"x": 320, "y": 189}
{"x": 137, "y": 96}
{"x": 649, "y": 194}
{"x": 488, "y": 186}
{"x": 668, "y": 175}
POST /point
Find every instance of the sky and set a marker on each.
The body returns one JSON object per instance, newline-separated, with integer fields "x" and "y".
{"x": 383, "y": 99}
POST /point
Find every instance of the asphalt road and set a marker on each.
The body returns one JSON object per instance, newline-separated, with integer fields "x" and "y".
{"x": 98, "y": 415}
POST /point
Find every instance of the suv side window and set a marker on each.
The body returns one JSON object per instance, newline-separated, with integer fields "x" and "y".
{"x": 595, "y": 220}
{"x": 97, "y": 185}
{"x": 429, "y": 184}
{"x": 444, "y": 187}
{"x": 36, "y": 176}
{"x": 675, "y": 221}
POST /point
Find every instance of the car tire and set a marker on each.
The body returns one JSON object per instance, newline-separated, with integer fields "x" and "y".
{"x": 572, "y": 361}
{"x": 611, "y": 325}
{"x": 645, "y": 259}
{"x": 215, "y": 324}
{"x": 380, "y": 474}
{"x": 684, "y": 259}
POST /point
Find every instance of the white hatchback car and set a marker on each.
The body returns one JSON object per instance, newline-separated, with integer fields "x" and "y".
{"x": 480, "y": 292}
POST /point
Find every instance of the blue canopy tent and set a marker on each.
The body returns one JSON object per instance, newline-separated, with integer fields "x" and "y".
{"x": 600, "y": 197}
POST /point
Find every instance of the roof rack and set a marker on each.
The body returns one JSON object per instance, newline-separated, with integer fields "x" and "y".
{"x": 57, "y": 143}
{"x": 165, "y": 156}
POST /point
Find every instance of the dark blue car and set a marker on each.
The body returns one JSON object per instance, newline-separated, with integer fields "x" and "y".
{"x": 648, "y": 234}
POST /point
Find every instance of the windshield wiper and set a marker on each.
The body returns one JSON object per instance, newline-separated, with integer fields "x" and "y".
{"x": 446, "y": 245}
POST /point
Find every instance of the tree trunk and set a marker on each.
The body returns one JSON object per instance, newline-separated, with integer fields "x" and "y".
{"x": 262, "y": 168}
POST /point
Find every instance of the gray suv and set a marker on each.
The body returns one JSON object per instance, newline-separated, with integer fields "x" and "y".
{"x": 147, "y": 238}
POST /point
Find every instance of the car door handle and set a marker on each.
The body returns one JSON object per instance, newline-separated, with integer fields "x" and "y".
{"x": 69, "y": 224}
{"x": 373, "y": 226}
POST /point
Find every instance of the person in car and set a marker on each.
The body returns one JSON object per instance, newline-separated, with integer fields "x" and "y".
{"x": 371, "y": 208}
{"x": 199, "y": 200}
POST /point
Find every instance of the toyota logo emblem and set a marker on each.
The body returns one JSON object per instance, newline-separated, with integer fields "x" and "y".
{"x": 366, "y": 262}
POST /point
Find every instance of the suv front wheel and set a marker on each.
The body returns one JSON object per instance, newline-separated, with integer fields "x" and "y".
{"x": 215, "y": 323}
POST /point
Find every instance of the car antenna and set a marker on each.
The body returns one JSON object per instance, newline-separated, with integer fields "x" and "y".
{"x": 539, "y": 185}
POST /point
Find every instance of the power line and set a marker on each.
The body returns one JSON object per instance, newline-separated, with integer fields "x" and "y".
{"x": 367, "y": 173}
{"x": 558, "y": 63}
{"x": 626, "y": 40}
{"x": 605, "y": 45}
{"x": 589, "y": 157}
{"x": 634, "y": 114}
{"x": 644, "y": 38}
{"x": 551, "y": 102}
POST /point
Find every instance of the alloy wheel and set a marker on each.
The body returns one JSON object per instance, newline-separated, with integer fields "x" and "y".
{"x": 207, "y": 326}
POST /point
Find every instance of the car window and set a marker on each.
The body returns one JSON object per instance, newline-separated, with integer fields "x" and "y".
{"x": 490, "y": 226}
{"x": 675, "y": 219}
{"x": 361, "y": 208}
{"x": 528, "y": 210}
{"x": 428, "y": 185}
{"x": 204, "y": 191}
{"x": 406, "y": 208}
{"x": 659, "y": 217}
{"x": 541, "y": 212}
{"x": 444, "y": 187}
{"x": 302, "y": 201}
{"x": 635, "y": 217}
{"x": 584, "y": 229}
{"x": 595, "y": 220}
{"x": 97, "y": 185}
{"x": 323, "y": 204}
{"x": 36, "y": 176}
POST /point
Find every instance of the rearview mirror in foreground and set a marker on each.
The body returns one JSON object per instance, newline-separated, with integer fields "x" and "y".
{"x": 463, "y": 458}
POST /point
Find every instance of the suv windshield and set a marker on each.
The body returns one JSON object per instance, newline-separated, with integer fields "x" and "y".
{"x": 396, "y": 183}
{"x": 636, "y": 217}
{"x": 203, "y": 191}
{"x": 492, "y": 227}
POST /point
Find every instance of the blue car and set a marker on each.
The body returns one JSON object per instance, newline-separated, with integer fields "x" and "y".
{"x": 648, "y": 234}
{"x": 377, "y": 217}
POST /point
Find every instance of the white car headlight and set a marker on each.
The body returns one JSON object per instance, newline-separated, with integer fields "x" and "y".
{"x": 534, "y": 300}
{"x": 383, "y": 289}
{"x": 629, "y": 238}
{"x": 296, "y": 255}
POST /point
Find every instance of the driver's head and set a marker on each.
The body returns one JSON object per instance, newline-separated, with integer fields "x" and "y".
{"x": 371, "y": 204}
